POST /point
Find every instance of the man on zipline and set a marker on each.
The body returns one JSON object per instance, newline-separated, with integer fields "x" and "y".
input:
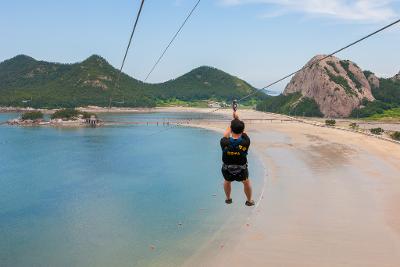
{"x": 235, "y": 146}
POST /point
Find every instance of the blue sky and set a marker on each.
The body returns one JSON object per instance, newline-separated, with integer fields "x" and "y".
{"x": 257, "y": 40}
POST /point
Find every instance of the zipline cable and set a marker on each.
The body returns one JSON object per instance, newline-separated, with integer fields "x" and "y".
{"x": 322, "y": 59}
{"x": 293, "y": 73}
{"x": 127, "y": 50}
{"x": 172, "y": 40}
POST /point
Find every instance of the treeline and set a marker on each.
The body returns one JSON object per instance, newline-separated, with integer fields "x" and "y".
{"x": 292, "y": 104}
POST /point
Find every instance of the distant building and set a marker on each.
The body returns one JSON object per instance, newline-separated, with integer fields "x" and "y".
{"x": 93, "y": 120}
{"x": 214, "y": 104}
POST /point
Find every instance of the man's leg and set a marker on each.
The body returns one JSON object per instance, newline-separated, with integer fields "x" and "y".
{"x": 228, "y": 189}
{"x": 247, "y": 189}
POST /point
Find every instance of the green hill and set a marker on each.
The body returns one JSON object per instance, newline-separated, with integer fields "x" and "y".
{"x": 204, "y": 83}
{"x": 26, "y": 81}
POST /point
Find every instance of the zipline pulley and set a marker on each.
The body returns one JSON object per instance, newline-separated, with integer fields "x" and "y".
{"x": 235, "y": 105}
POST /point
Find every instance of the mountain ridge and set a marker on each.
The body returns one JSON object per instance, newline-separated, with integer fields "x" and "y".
{"x": 92, "y": 82}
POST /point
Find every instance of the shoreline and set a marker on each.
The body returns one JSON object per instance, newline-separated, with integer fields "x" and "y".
{"x": 342, "y": 123}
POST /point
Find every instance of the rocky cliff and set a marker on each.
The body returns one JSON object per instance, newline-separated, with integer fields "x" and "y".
{"x": 337, "y": 86}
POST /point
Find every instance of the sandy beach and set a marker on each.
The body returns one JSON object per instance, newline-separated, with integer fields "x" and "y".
{"x": 330, "y": 198}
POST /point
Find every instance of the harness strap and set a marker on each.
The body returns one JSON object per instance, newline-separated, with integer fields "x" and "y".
{"x": 227, "y": 167}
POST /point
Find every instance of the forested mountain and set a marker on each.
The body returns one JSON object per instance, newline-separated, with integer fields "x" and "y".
{"x": 26, "y": 81}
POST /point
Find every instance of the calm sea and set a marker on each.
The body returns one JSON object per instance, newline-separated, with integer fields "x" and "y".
{"x": 111, "y": 196}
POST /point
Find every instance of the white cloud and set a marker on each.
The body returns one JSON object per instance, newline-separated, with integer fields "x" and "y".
{"x": 356, "y": 10}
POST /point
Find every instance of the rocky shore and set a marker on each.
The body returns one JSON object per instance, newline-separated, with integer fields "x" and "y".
{"x": 55, "y": 123}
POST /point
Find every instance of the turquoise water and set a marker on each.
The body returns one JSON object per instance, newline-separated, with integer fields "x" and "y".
{"x": 110, "y": 196}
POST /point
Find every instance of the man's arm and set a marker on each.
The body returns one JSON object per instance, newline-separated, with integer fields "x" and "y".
{"x": 227, "y": 132}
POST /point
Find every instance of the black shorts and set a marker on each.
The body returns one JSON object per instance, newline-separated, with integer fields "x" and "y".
{"x": 239, "y": 177}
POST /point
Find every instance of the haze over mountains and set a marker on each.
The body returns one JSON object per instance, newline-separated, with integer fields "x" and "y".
{"x": 92, "y": 82}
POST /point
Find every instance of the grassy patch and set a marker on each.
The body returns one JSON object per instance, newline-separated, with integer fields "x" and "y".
{"x": 370, "y": 109}
{"x": 393, "y": 113}
{"x": 173, "y": 102}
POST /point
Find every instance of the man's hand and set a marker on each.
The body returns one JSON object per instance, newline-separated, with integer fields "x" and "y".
{"x": 227, "y": 132}
{"x": 235, "y": 115}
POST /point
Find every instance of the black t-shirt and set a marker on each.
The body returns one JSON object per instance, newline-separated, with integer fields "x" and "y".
{"x": 234, "y": 151}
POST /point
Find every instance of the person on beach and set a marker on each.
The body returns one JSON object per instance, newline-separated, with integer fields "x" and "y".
{"x": 235, "y": 146}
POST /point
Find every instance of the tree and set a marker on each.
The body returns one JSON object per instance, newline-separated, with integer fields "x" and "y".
{"x": 65, "y": 114}
{"x": 33, "y": 115}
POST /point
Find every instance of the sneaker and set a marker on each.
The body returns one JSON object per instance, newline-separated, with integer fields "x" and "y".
{"x": 250, "y": 203}
{"x": 228, "y": 201}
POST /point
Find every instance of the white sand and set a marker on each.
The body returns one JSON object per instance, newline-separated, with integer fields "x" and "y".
{"x": 331, "y": 198}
